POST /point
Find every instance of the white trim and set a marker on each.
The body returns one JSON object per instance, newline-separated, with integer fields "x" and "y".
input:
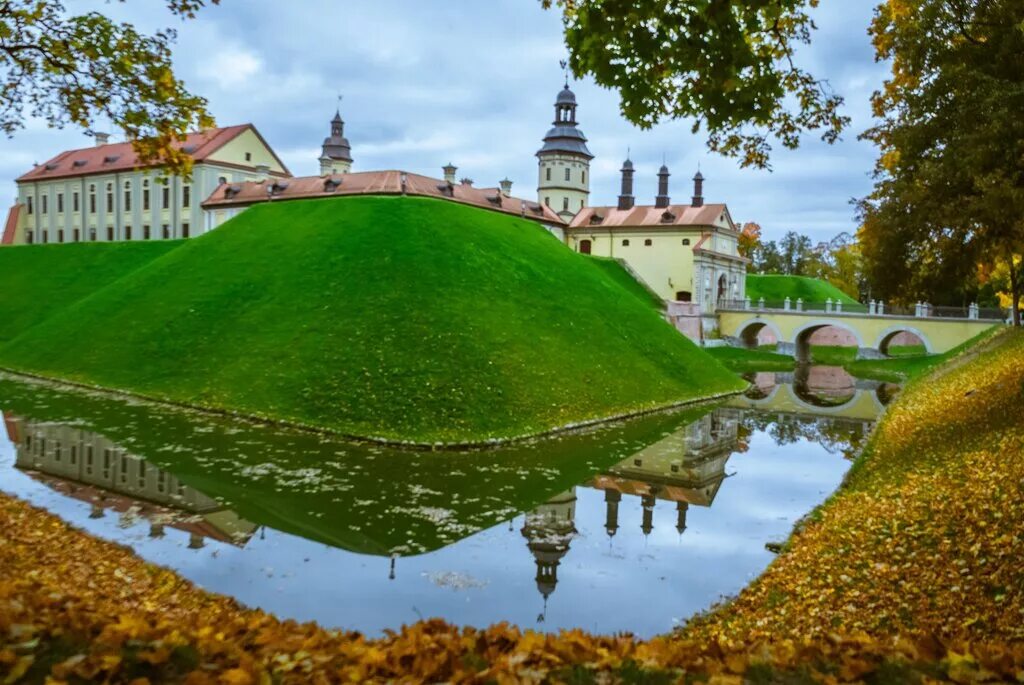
{"x": 899, "y": 328}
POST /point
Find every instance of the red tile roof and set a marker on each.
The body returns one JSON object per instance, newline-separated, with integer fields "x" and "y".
{"x": 647, "y": 216}
{"x": 102, "y": 159}
{"x": 377, "y": 183}
{"x": 11, "y": 226}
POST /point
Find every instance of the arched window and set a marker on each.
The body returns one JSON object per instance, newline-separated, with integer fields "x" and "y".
{"x": 110, "y": 197}
{"x": 585, "y": 246}
{"x": 565, "y": 203}
{"x": 547, "y": 175}
{"x": 686, "y": 241}
{"x": 145, "y": 196}
{"x": 568, "y": 174}
{"x": 92, "y": 199}
{"x": 127, "y": 196}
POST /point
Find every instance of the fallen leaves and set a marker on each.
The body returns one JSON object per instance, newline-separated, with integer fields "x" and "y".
{"x": 911, "y": 571}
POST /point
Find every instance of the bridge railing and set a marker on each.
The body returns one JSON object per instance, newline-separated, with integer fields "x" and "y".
{"x": 873, "y": 308}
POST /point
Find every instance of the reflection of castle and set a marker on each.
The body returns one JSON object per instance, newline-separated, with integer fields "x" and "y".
{"x": 548, "y": 530}
{"x": 91, "y": 468}
{"x": 686, "y": 467}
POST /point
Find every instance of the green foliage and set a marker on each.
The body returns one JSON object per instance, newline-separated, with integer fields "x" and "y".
{"x": 39, "y": 280}
{"x": 729, "y": 66}
{"x": 86, "y": 68}
{"x": 403, "y": 318}
{"x": 949, "y": 190}
{"x": 776, "y": 288}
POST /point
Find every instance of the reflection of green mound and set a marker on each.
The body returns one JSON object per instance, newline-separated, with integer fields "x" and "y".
{"x": 398, "y": 317}
{"x": 363, "y": 498}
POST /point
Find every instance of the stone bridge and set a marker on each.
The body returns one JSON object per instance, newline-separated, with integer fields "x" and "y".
{"x": 873, "y": 330}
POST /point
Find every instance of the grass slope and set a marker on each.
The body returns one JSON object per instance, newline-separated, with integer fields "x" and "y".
{"x": 37, "y": 281}
{"x": 741, "y": 360}
{"x": 777, "y": 287}
{"x": 901, "y": 368}
{"x": 402, "y": 318}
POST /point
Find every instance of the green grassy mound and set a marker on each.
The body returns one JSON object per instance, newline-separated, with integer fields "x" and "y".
{"x": 741, "y": 360}
{"x": 38, "y": 280}
{"x": 401, "y": 318}
{"x": 777, "y": 287}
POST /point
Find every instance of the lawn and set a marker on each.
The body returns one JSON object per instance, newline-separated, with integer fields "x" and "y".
{"x": 38, "y": 280}
{"x": 741, "y": 360}
{"x": 407, "y": 319}
{"x": 775, "y": 288}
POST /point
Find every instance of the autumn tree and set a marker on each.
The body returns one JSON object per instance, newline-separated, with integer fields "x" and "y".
{"x": 748, "y": 241}
{"x": 728, "y": 65}
{"x": 83, "y": 68}
{"x": 949, "y": 190}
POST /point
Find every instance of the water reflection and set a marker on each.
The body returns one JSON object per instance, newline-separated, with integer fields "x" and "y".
{"x": 315, "y": 510}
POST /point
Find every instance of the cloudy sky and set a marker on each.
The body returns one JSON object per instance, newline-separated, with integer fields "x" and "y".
{"x": 473, "y": 83}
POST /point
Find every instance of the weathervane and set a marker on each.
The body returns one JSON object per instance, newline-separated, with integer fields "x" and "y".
{"x": 565, "y": 70}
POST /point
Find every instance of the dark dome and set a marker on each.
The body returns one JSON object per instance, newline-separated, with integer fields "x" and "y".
{"x": 663, "y": 169}
{"x": 627, "y": 165}
{"x": 566, "y": 97}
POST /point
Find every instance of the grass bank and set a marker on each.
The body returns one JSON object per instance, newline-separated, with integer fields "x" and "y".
{"x": 741, "y": 360}
{"x": 777, "y": 287}
{"x": 406, "y": 319}
{"x": 37, "y": 281}
{"x": 909, "y": 573}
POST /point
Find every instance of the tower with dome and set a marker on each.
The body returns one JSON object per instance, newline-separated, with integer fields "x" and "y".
{"x": 563, "y": 162}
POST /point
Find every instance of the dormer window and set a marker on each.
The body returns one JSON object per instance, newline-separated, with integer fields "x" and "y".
{"x": 110, "y": 159}
{"x": 596, "y": 219}
{"x": 51, "y": 166}
{"x": 277, "y": 187}
{"x": 78, "y": 163}
{"x": 331, "y": 184}
{"x": 232, "y": 190}
{"x": 668, "y": 218}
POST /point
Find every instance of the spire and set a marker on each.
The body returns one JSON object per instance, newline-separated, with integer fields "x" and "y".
{"x": 626, "y": 200}
{"x": 336, "y": 153}
{"x": 698, "y": 189}
{"x": 662, "y": 200}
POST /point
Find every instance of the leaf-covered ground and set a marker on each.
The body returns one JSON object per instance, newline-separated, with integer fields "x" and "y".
{"x": 910, "y": 573}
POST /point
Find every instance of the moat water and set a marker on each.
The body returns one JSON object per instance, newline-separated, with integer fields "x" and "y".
{"x": 632, "y": 527}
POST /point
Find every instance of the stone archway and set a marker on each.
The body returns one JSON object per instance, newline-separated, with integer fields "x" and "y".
{"x": 746, "y": 333}
{"x": 887, "y": 336}
{"x": 801, "y": 346}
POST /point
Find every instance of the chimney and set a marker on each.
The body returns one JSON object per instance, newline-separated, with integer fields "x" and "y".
{"x": 262, "y": 172}
{"x": 449, "y": 172}
{"x": 626, "y": 200}
{"x": 662, "y": 200}
{"x": 101, "y": 138}
{"x": 466, "y": 181}
{"x": 698, "y": 190}
{"x": 506, "y": 187}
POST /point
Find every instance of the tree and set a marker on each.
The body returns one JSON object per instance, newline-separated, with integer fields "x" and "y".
{"x": 949, "y": 182}
{"x": 748, "y": 242}
{"x": 795, "y": 254}
{"x": 79, "y": 69}
{"x": 727, "y": 64}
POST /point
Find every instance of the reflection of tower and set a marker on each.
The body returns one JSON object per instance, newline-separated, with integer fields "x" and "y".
{"x": 681, "y": 509}
{"x": 548, "y": 530}
{"x": 611, "y": 520}
{"x": 648, "y": 501}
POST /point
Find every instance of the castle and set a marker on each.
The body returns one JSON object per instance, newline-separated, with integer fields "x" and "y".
{"x": 685, "y": 254}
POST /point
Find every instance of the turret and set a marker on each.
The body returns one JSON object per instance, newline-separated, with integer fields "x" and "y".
{"x": 564, "y": 161}
{"x": 662, "y": 200}
{"x": 336, "y": 154}
{"x": 698, "y": 190}
{"x": 626, "y": 199}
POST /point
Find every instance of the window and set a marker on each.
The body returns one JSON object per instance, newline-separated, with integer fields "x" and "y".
{"x": 186, "y": 196}
{"x": 145, "y": 196}
{"x": 46, "y": 236}
{"x": 145, "y": 232}
{"x": 565, "y": 203}
{"x": 184, "y": 230}
{"x": 581, "y": 204}
{"x": 684, "y": 296}
{"x": 88, "y": 460}
{"x": 165, "y": 231}
{"x": 106, "y": 464}
{"x": 28, "y": 237}
{"x": 548, "y": 174}
{"x": 56, "y": 451}
{"x": 44, "y": 204}
{"x": 568, "y": 174}
{"x": 76, "y": 235}
{"x": 585, "y": 247}
{"x": 161, "y": 481}
{"x": 74, "y": 201}
{"x": 110, "y": 197}
{"x": 127, "y": 196}
{"x": 547, "y": 201}
{"x": 92, "y": 199}
{"x": 625, "y": 243}
{"x": 686, "y": 241}
{"x": 124, "y": 470}
{"x": 92, "y": 234}
{"x": 127, "y": 232}
{"x": 583, "y": 176}
{"x": 60, "y": 235}
{"x": 166, "y": 202}
{"x": 73, "y": 456}
{"x": 60, "y": 203}
{"x": 248, "y": 156}
{"x": 28, "y": 204}
{"x": 142, "y": 474}
{"x": 648, "y": 242}
{"x": 221, "y": 180}
{"x": 110, "y": 232}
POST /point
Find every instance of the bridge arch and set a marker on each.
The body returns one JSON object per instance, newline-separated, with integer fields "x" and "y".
{"x": 802, "y": 336}
{"x": 747, "y": 331}
{"x": 886, "y": 336}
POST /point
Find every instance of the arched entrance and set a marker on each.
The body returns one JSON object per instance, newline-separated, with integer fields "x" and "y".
{"x": 750, "y": 333}
{"x": 802, "y": 337}
{"x": 722, "y": 288}
{"x": 903, "y": 341}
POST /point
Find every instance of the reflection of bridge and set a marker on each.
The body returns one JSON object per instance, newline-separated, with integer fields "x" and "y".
{"x": 873, "y": 331}
{"x": 818, "y": 391}
{"x": 90, "y": 468}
